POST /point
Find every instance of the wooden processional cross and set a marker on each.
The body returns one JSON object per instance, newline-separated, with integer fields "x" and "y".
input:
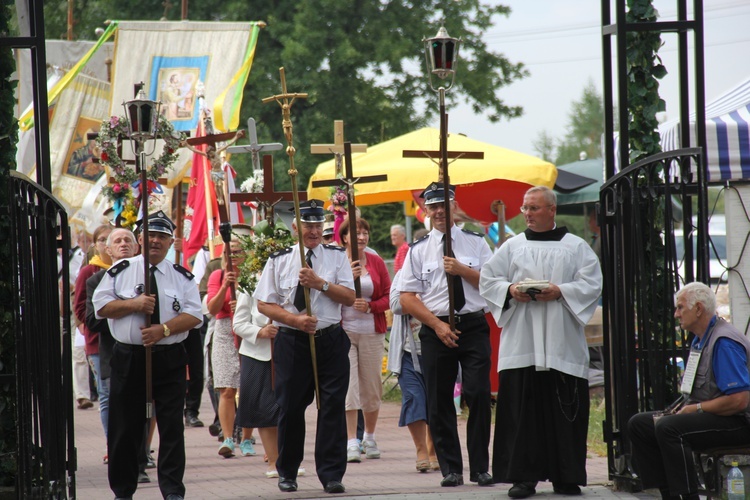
{"x": 337, "y": 148}
{"x": 349, "y": 180}
{"x": 268, "y": 198}
{"x": 443, "y": 156}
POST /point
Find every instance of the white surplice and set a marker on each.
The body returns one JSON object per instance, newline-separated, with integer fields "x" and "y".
{"x": 546, "y": 335}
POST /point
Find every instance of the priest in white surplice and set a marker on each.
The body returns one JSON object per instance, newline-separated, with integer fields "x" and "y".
{"x": 543, "y": 401}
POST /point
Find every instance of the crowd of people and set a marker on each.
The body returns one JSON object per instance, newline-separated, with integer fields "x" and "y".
{"x": 316, "y": 332}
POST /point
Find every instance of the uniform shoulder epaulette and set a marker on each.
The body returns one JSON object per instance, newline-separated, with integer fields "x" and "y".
{"x": 183, "y": 271}
{"x": 468, "y": 231}
{"x": 118, "y": 268}
{"x": 423, "y": 238}
{"x": 334, "y": 247}
{"x": 283, "y": 251}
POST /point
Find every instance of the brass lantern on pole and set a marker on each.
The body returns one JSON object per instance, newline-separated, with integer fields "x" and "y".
{"x": 441, "y": 55}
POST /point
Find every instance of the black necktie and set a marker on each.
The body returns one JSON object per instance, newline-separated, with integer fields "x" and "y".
{"x": 459, "y": 299}
{"x": 155, "y": 292}
{"x": 299, "y": 296}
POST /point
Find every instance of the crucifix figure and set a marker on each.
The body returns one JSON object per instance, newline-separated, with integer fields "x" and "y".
{"x": 337, "y": 148}
{"x": 254, "y": 148}
{"x": 443, "y": 156}
{"x": 349, "y": 180}
{"x": 268, "y": 198}
{"x": 215, "y": 159}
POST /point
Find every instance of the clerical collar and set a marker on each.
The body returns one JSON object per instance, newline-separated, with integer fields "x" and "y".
{"x": 555, "y": 234}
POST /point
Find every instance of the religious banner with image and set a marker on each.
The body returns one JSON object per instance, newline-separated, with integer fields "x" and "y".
{"x": 179, "y": 62}
{"x": 72, "y": 155}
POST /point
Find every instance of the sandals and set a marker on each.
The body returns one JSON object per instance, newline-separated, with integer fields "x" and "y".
{"x": 423, "y": 465}
{"x": 434, "y": 465}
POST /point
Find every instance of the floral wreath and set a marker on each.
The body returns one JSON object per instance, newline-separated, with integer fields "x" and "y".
{"x": 117, "y": 126}
{"x": 121, "y": 192}
{"x": 258, "y": 247}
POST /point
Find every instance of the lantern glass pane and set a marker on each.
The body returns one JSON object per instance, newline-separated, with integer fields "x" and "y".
{"x": 146, "y": 125}
{"x": 438, "y": 60}
{"x": 133, "y": 117}
{"x": 449, "y": 50}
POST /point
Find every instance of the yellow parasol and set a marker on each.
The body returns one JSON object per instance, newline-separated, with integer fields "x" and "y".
{"x": 502, "y": 175}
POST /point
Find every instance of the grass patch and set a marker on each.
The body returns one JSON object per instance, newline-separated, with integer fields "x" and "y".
{"x": 391, "y": 390}
{"x": 595, "y": 442}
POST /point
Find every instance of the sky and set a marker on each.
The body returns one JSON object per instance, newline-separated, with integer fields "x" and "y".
{"x": 559, "y": 42}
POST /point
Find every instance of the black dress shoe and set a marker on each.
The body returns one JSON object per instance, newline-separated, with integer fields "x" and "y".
{"x": 483, "y": 479}
{"x": 334, "y": 487}
{"x": 452, "y": 479}
{"x": 193, "y": 421}
{"x": 143, "y": 478}
{"x": 566, "y": 489}
{"x": 215, "y": 429}
{"x": 287, "y": 485}
{"x": 174, "y": 496}
{"x": 522, "y": 490}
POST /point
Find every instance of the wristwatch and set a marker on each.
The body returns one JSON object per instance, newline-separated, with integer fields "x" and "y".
{"x": 324, "y": 288}
{"x": 167, "y": 331}
{"x": 699, "y": 408}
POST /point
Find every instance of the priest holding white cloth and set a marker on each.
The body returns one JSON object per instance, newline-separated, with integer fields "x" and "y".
{"x": 543, "y": 401}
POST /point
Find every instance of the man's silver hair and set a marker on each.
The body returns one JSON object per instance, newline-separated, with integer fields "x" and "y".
{"x": 549, "y": 195}
{"x": 698, "y": 292}
{"x": 401, "y": 229}
{"x": 132, "y": 236}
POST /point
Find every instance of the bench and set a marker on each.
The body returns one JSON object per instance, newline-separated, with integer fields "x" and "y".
{"x": 713, "y": 464}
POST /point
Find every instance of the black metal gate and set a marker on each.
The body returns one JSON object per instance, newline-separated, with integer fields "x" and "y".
{"x": 46, "y": 450}
{"x": 644, "y": 345}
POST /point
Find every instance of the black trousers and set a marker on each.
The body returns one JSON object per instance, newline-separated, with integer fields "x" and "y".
{"x": 194, "y": 347}
{"x": 541, "y": 424}
{"x": 295, "y": 388}
{"x": 127, "y": 405}
{"x": 663, "y": 451}
{"x": 440, "y": 368}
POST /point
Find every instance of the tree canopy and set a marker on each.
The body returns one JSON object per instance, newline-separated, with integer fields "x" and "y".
{"x": 583, "y": 134}
{"x": 361, "y": 62}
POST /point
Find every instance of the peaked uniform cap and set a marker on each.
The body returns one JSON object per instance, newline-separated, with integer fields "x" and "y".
{"x": 435, "y": 193}
{"x": 158, "y": 222}
{"x": 311, "y": 211}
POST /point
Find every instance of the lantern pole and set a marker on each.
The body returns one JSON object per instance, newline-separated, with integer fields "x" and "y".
{"x": 441, "y": 54}
{"x": 143, "y": 116}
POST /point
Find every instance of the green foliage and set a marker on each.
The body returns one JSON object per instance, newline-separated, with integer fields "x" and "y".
{"x": 8, "y": 138}
{"x": 585, "y": 127}
{"x": 361, "y": 62}
{"x": 381, "y": 218}
{"x": 644, "y": 69}
{"x": 584, "y": 131}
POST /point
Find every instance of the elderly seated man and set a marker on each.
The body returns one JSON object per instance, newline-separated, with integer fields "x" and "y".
{"x": 716, "y": 410}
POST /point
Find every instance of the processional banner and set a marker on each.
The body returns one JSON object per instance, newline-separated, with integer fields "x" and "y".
{"x": 179, "y": 61}
{"x": 77, "y": 112}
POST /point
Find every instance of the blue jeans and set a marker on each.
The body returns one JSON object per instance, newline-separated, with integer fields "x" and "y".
{"x": 102, "y": 386}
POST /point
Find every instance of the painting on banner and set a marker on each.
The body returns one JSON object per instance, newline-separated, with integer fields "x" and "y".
{"x": 79, "y": 110}
{"x": 179, "y": 62}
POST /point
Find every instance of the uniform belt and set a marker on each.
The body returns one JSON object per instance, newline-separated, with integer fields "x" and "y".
{"x": 464, "y": 317}
{"x": 139, "y": 347}
{"x": 318, "y": 333}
